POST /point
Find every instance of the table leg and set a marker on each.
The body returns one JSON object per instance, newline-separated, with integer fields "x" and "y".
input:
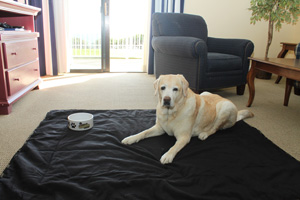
{"x": 281, "y": 54}
{"x": 250, "y": 81}
{"x": 288, "y": 88}
{"x": 278, "y": 79}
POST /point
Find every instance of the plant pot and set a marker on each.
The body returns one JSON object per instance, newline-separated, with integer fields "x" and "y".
{"x": 263, "y": 75}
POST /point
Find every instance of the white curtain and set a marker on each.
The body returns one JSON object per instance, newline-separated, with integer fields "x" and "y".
{"x": 60, "y": 9}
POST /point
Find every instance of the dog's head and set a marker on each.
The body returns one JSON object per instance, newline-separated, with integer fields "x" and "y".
{"x": 170, "y": 89}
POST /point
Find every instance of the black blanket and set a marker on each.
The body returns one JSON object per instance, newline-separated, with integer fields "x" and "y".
{"x": 57, "y": 163}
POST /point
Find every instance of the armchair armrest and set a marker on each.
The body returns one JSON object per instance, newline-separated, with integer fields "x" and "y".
{"x": 239, "y": 47}
{"x": 180, "y": 46}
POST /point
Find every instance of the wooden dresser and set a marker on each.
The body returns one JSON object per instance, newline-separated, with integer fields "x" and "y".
{"x": 19, "y": 60}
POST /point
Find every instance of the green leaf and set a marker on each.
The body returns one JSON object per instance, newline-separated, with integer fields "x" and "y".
{"x": 279, "y": 11}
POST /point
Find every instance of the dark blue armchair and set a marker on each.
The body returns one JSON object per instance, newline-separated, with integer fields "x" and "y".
{"x": 182, "y": 46}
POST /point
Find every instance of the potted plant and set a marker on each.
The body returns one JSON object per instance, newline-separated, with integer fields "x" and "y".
{"x": 275, "y": 12}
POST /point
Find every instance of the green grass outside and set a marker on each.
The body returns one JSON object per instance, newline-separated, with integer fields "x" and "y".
{"x": 86, "y": 52}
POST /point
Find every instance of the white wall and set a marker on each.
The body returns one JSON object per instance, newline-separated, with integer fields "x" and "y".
{"x": 231, "y": 19}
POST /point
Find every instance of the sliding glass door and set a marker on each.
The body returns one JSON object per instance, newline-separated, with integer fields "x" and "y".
{"x": 128, "y": 24}
{"x": 107, "y": 35}
{"x": 85, "y": 31}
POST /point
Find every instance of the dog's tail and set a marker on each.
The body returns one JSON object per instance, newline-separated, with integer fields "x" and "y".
{"x": 243, "y": 114}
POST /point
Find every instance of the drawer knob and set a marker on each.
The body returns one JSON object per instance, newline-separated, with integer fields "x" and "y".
{"x": 35, "y": 70}
{"x": 14, "y": 53}
{"x": 34, "y": 49}
{"x": 16, "y": 79}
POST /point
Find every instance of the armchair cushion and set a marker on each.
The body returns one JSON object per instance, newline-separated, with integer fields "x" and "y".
{"x": 220, "y": 62}
{"x": 229, "y": 46}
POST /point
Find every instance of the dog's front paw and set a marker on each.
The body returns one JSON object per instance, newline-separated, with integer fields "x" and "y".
{"x": 203, "y": 136}
{"x": 130, "y": 140}
{"x": 167, "y": 158}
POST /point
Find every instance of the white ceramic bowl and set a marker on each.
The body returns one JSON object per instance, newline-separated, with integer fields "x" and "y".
{"x": 80, "y": 121}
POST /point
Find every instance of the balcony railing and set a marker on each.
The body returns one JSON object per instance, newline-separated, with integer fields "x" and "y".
{"x": 87, "y": 45}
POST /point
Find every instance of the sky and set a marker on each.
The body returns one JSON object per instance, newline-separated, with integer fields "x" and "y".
{"x": 126, "y": 17}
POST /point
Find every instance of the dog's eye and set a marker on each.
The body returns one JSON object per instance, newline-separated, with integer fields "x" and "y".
{"x": 175, "y": 89}
{"x": 163, "y": 88}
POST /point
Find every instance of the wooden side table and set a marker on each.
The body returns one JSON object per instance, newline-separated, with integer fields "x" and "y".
{"x": 285, "y": 48}
{"x": 289, "y": 68}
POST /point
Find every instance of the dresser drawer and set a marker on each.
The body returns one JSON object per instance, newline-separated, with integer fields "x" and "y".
{"x": 22, "y": 76}
{"x": 20, "y": 52}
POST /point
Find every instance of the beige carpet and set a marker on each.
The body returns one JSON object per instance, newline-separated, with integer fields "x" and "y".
{"x": 135, "y": 91}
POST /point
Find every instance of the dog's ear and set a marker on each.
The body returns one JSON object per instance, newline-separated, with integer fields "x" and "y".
{"x": 156, "y": 83}
{"x": 185, "y": 85}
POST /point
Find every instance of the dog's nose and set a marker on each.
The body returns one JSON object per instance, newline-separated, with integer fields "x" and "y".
{"x": 167, "y": 100}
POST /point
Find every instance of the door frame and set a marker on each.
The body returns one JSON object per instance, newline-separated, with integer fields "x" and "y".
{"x": 105, "y": 36}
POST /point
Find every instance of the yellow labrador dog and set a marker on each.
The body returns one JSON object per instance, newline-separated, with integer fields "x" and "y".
{"x": 184, "y": 114}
